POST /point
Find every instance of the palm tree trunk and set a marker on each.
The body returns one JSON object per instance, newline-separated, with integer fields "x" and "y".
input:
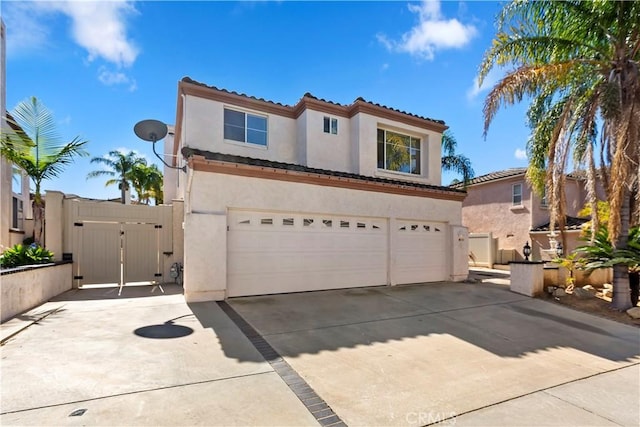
{"x": 38, "y": 218}
{"x": 621, "y": 297}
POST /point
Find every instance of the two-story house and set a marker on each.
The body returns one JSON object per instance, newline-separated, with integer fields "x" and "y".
{"x": 312, "y": 196}
{"x": 503, "y": 203}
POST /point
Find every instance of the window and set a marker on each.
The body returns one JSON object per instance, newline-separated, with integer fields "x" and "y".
{"x": 17, "y": 205}
{"x": 245, "y": 127}
{"x": 330, "y": 125}
{"x": 543, "y": 199}
{"x": 17, "y": 220}
{"x": 398, "y": 152}
{"x": 517, "y": 195}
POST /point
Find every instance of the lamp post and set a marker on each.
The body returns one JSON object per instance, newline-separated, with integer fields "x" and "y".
{"x": 559, "y": 250}
{"x": 153, "y": 131}
{"x": 526, "y": 251}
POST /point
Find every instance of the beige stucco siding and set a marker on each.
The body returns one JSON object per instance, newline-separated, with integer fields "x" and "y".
{"x": 213, "y": 195}
{"x": 203, "y": 128}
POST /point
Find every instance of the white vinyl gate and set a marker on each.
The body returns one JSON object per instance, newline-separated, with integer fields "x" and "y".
{"x": 117, "y": 253}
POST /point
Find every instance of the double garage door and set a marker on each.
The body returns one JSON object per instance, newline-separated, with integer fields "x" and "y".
{"x": 272, "y": 253}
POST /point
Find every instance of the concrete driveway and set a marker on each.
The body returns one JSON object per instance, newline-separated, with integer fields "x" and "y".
{"x": 469, "y": 354}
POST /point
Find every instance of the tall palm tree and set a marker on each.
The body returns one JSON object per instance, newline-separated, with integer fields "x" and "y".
{"x": 31, "y": 142}
{"x": 120, "y": 168}
{"x": 455, "y": 162}
{"x": 577, "y": 62}
{"x": 147, "y": 182}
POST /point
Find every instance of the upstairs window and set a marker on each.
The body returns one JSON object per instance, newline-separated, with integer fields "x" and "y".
{"x": 330, "y": 125}
{"x": 398, "y": 152}
{"x": 245, "y": 127}
{"x": 516, "y": 196}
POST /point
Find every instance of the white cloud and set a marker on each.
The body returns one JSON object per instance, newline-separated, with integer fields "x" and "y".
{"x": 520, "y": 154}
{"x": 432, "y": 32}
{"x": 25, "y": 27}
{"x": 100, "y": 27}
{"x": 110, "y": 78}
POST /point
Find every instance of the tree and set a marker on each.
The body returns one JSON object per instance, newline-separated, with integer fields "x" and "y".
{"x": 120, "y": 168}
{"x": 32, "y": 143}
{"x": 147, "y": 182}
{"x": 577, "y": 64}
{"x": 455, "y": 162}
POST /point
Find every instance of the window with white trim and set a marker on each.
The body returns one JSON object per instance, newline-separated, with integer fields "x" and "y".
{"x": 543, "y": 199}
{"x": 330, "y": 125}
{"x": 245, "y": 127}
{"x": 516, "y": 195}
{"x": 398, "y": 152}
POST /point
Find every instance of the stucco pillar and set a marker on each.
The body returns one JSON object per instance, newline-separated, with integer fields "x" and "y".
{"x": 459, "y": 253}
{"x": 53, "y": 224}
{"x": 527, "y": 277}
{"x": 205, "y": 256}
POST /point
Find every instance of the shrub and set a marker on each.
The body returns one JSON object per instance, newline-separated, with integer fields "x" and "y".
{"x": 20, "y": 255}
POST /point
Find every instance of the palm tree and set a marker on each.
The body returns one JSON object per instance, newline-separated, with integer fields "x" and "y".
{"x": 32, "y": 143}
{"x": 120, "y": 168}
{"x": 147, "y": 182}
{"x": 455, "y": 162}
{"x": 577, "y": 62}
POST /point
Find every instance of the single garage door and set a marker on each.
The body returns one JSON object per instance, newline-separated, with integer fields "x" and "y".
{"x": 272, "y": 253}
{"x": 421, "y": 252}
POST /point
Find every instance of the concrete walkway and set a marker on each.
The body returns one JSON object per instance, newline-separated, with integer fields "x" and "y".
{"x": 88, "y": 355}
{"x": 469, "y": 354}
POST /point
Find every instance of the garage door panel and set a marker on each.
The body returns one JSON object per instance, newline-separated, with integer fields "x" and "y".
{"x": 421, "y": 252}
{"x": 276, "y": 253}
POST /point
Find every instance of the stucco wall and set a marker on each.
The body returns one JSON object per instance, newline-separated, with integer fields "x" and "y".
{"x": 21, "y": 291}
{"x": 212, "y": 195}
{"x": 303, "y": 141}
{"x": 204, "y": 129}
{"x": 325, "y": 150}
{"x": 489, "y": 208}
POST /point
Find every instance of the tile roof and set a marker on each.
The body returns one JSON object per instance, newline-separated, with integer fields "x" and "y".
{"x": 507, "y": 173}
{"x": 571, "y": 222}
{"x": 209, "y": 155}
{"x": 309, "y": 95}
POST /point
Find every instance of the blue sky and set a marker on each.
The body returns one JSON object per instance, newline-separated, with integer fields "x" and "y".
{"x": 103, "y": 66}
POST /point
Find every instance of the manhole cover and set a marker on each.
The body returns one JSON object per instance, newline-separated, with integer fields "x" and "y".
{"x": 167, "y": 330}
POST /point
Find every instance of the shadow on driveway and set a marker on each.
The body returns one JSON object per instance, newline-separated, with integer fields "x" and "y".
{"x": 485, "y": 315}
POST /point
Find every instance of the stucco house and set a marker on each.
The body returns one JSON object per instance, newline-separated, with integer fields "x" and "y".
{"x": 313, "y": 196}
{"x": 502, "y": 203}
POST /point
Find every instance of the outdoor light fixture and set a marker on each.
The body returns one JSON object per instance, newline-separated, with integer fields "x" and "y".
{"x": 153, "y": 131}
{"x": 526, "y": 250}
{"x": 559, "y": 250}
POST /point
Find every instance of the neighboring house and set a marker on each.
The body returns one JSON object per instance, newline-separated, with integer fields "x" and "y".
{"x": 312, "y": 196}
{"x": 502, "y": 203}
{"x": 14, "y": 184}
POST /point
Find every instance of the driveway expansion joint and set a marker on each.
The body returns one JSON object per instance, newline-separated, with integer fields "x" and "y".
{"x": 303, "y": 391}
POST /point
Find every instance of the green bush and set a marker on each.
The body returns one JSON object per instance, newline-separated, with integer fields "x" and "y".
{"x": 20, "y": 255}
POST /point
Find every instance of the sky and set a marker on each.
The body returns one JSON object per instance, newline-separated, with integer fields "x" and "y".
{"x": 103, "y": 66}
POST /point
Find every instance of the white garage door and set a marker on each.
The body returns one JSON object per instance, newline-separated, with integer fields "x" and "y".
{"x": 421, "y": 252}
{"x": 276, "y": 253}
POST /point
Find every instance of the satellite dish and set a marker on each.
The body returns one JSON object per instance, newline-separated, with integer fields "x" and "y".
{"x": 150, "y": 130}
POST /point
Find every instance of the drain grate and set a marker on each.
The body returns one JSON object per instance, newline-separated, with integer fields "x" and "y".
{"x": 309, "y": 398}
